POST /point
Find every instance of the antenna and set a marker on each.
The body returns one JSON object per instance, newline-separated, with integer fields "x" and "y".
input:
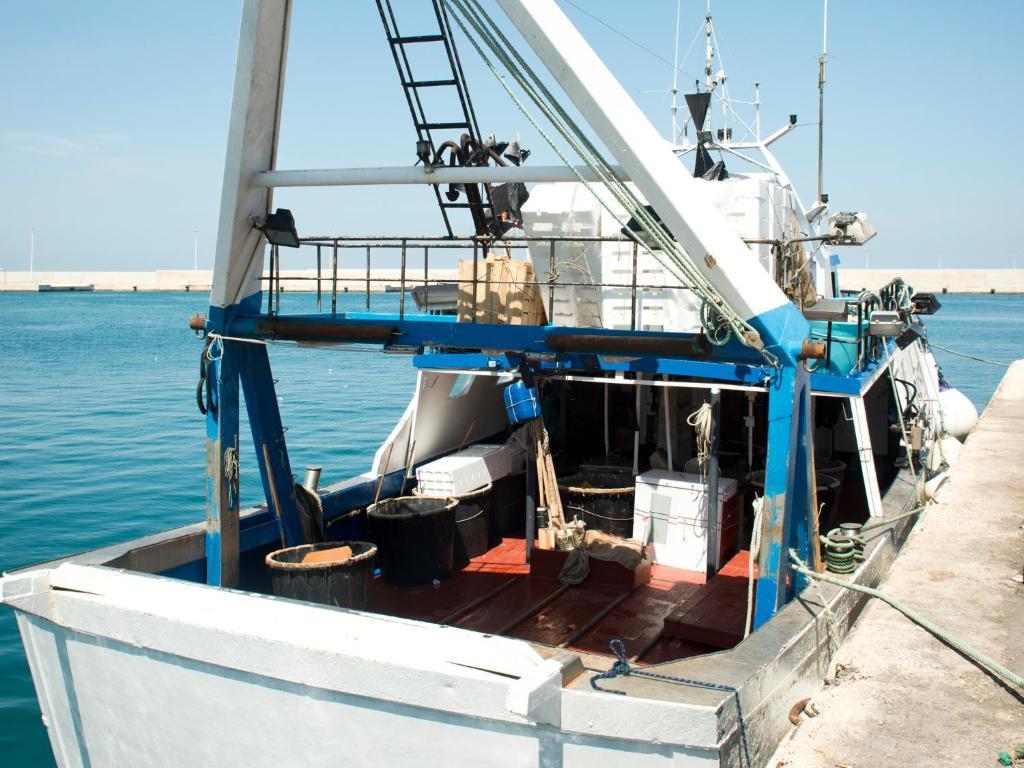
{"x": 675, "y": 77}
{"x": 757, "y": 112}
{"x": 821, "y": 102}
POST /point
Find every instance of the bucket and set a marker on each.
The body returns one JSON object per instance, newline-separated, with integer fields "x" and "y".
{"x": 601, "y": 499}
{"x": 831, "y": 466}
{"x": 472, "y": 523}
{"x": 415, "y": 536}
{"x": 827, "y": 488}
{"x": 344, "y": 583}
{"x": 508, "y": 507}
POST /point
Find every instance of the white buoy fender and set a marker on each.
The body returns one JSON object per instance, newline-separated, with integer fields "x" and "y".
{"x": 949, "y": 449}
{"x": 958, "y": 413}
{"x": 933, "y": 485}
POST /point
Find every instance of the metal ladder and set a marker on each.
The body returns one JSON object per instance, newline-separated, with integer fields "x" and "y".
{"x": 478, "y": 204}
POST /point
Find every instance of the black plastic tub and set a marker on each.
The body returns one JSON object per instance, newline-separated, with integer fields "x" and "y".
{"x": 415, "y": 536}
{"x": 508, "y": 508}
{"x": 345, "y": 584}
{"x": 827, "y": 487}
{"x": 603, "y": 500}
{"x": 472, "y": 524}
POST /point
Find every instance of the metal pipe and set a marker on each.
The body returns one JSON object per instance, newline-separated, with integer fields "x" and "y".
{"x": 367, "y": 277}
{"x": 713, "y": 518}
{"x": 311, "y": 481}
{"x": 334, "y": 281}
{"x": 475, "y": 258}
{"x": 551, "y": 283}
{"x": 318, "y": 268}
{"x": 347, "y": 177}
{"x": 632, "y": 303}
{"x": 426, "y": 278}
{"x": 401, "y": 283}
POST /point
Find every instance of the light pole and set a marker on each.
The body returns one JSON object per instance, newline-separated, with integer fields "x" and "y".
{"x": 195, "y": 256}
{"x": 32, "y": 249}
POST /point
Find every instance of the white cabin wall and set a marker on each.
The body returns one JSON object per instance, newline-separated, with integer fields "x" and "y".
{"x": 443, "y": 422}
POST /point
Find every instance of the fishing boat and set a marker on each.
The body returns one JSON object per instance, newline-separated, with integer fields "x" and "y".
{"x": 644, "y": 418}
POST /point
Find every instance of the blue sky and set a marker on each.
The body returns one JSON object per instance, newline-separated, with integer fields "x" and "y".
{"x": 114, "y": 118}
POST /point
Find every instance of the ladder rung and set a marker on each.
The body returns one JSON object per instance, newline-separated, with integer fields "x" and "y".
{"x": 416, "y": 39}
{"x": 430, "y": 83}
{"x": 464, "y": 205}
{"x": 440, "y": 126}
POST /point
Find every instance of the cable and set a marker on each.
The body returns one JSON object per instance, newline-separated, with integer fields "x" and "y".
{"x": 628, "y": 39}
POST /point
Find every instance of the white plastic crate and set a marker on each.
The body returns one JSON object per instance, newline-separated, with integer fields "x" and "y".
{"x": 462, "y": 472}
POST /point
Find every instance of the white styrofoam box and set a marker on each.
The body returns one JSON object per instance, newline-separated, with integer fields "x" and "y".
{"x": 464, "y": 471}
{"x": 565, "y": 210}
{"x": 671, "y": 515}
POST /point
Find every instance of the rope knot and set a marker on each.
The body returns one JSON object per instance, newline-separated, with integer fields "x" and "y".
{"x": 619, "y": 667}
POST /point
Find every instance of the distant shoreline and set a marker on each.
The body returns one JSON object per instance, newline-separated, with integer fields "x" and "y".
{"x": 955, "y": 281}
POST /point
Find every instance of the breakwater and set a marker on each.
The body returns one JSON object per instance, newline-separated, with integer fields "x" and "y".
{"x": 967, "y": 281}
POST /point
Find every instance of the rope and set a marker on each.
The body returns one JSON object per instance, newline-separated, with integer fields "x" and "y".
{"x": 472, "y": 13}
{"x": 621, "y": 668}
{"x": 949, "y": 639}
{"x": 755, "y": 550}
{"x": 969, "y": 357}
{"x": 700, "y": 420}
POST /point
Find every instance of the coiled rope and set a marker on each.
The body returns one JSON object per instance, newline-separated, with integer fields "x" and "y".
{"x": 700, "y": 420}
{"x": 621, "y": 668}
{"x": 979, "y": 658}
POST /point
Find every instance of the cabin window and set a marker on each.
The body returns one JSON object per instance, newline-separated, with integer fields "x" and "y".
{"x": 461, "y": 385}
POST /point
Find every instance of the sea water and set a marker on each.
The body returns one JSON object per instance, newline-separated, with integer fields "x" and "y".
{"x": 101, "y": 441}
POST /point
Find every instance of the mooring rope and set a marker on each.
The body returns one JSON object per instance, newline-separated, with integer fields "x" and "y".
{"x": 965, "y": 355}
{"x": 990, "y": 664}
{"x": 621, "y": 668}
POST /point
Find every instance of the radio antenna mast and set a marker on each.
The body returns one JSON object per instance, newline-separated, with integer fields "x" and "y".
{"x": 821, "y": 102}
{"x": 675, "y": 78}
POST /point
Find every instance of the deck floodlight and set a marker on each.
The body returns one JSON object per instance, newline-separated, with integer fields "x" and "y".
{"x": 423, "y": 151}
{"x": 279, "y": 228}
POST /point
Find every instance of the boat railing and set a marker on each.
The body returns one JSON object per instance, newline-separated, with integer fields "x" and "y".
{"x": 336, "y": 256}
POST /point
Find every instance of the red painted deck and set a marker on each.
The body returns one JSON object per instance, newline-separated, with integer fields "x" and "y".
{"x": 495, "y": 593}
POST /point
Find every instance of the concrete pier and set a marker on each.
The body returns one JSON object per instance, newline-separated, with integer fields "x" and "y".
{"x": 936, "y": 280}
{"x": 896, "y": 695}
{"x": 353, "y": 280}
{"x": 933, "y": 280}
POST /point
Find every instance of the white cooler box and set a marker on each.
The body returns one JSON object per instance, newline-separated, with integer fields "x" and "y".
{"x": 671, "y": 515}
{"x": 467, "y": 470}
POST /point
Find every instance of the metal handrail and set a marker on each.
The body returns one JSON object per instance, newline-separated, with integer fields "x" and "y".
{"x": 475, "y": 244}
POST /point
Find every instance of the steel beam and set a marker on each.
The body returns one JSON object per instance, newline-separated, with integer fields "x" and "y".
{"x": 400, "y": 175}
{"x": 268, "y": 437}
{"x": 252, "y": 148}
{"x": 786, "y": 489}
{"x": 710, "y": 241}
{"x": 222, "y": 547}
